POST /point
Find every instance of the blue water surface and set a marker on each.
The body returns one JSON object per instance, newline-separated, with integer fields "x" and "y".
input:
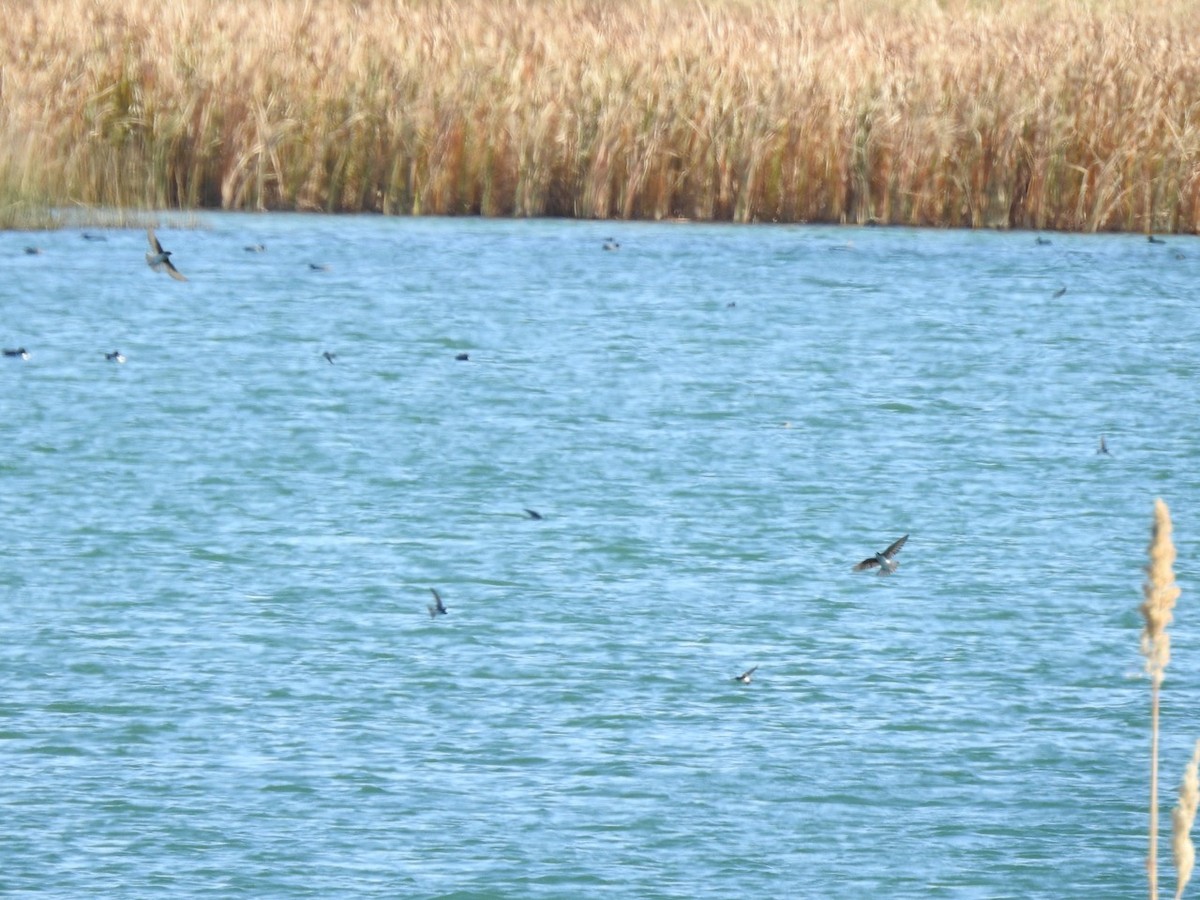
{"x": 219, "y": 677}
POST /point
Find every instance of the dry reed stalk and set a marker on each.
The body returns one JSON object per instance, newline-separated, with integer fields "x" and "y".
{"x": 1160, "y": 593}
{"x": 1182, "y": 817}
{"x": 748, "y": 110}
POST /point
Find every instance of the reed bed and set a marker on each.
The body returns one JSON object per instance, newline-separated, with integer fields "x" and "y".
{"x": 1055, "y": 114}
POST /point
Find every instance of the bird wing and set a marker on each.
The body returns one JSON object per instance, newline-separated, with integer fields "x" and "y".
{"x": 438, "y": 599}
{"x": 895, "y": 548}
{"x": 748, "y": 672}
{"x": 866, "y": 564}
{"x": 174, "y": 272}
{"x": 154, "y": 244}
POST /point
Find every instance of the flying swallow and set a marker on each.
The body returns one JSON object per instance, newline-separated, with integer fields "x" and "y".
{"x": 439, "y": 608}
{"x": 1103, "y": 449}
{"x": 329, "y": 356}
{"x": 158, "y": 258}
{"x": 20, "y": 351}
{"x": 885, "y": 560}
{"x": 533, "y": 513}
{"x": 747, "y": 676}
{"x": 116, "y": 356}
{"x": 255, "y": 248}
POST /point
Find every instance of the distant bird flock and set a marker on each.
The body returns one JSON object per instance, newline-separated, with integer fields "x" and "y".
{"x": 159, "y": 260}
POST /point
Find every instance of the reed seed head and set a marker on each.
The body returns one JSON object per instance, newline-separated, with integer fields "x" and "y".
{"x": 1182, "y": 817}
{"x": 1160, "y": 593}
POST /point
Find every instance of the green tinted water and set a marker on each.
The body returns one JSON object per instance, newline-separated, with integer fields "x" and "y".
{"x": 219, "y": 677}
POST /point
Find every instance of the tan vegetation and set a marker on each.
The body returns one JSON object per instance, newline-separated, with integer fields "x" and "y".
{"x": 1183, "y": 816}
{"x": 1159, "y": 595}
{"x": 1058, "y": 114}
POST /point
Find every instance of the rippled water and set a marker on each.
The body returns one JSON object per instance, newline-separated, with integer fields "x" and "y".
{"x": 218, "y": 673}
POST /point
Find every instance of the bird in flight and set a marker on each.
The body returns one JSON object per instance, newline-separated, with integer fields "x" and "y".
{"x": 158, "y": 259}
{"x": 1103, "y": 448}
{"x": 747, "y": 676}
{"x": 329, "y": 356}
{"x": 440, "y": 608}
{"x": 885, "y": 560}
{"x": 533, "y": 513}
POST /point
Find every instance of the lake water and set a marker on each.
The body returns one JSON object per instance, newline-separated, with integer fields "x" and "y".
{"x": 218, "y": 675}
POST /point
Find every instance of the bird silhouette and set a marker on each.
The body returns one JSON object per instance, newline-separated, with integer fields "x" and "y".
{"x": 437, "y": 608}
{"x": 747, "y": 676}
{"x": 885, "y": 560}
{"x": 159, "y": 259}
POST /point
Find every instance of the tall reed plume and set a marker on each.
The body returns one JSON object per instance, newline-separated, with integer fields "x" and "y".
{"x": 1160, "y": 592}
{"x": 1182, "y": 817}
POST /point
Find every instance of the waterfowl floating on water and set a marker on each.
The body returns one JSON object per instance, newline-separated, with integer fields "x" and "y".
{"x": 885, "y": 560}
{"x": 437, "y": 608}
{"x": 33, "y": 251}
{"x": 463, "y": 357}
{"x": 159, "y": 259}
{"x": 1152, "y": 239}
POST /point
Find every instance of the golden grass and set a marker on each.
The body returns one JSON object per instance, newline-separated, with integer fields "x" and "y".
{"x": 1058, "y": 114}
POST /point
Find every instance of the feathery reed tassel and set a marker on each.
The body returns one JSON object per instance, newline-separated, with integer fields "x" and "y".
{"x": 1160, "y": 592}
{"x": 1182, "y": 817}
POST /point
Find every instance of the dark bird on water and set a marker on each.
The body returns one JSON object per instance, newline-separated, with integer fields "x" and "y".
{"x": 533, "y": 513}
{"x": 159, "y": 259}
{"x": 318, "y": 267}
{"x": 611, "y": 244}
{"x": 463, "y": 357}
{"x": 20, "y": 351}
{"x": 329, "y": 357}
{"x": 255, "y": 248}
{"x": 88, "y": 236}
{"x": 33, "y": 251}
{"x": 116, "y": 356}
{"x": 885, "y": 560}
{"x": 1152, "y": 239}
{"x": 437, "y": 608}
{"x": 1041, "y": 240}
{"x": 1103, "y": 448}
{"x": 747, "y": 676}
